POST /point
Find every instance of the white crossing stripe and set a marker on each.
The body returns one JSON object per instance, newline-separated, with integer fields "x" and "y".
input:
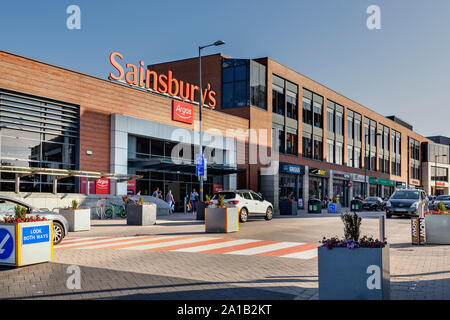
{"x": 89, "y": 242}
{"x": 166, "y": 243}
{"x": 308, "y": 254}
{"x": 70, "y": 240}
{"x": 265, "y": 248}
{"x": 216, "y": 245}
{"x": 131, "y": 240}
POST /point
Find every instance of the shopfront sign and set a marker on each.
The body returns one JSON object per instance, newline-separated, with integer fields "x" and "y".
{"x": 291, "y": 168}
{"x": 131, "y": 187}
{"x": 102, "y": 186}
{"x": 440, "y": 184}
{"x": 359, "y": 178}
{"x": 345, "y": 176}
{"x": 318, "y": 172}
{"x": 400, "y": 184}
{"x": 162, "y": 83}
{"x": 381, "y": 181}
{"x": 182, "y": 111}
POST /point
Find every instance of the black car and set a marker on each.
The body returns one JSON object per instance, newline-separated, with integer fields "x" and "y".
{"x": 444, "y": 199}
{"x": 373, "y": 204}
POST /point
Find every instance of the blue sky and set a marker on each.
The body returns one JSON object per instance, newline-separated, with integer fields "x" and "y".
{"x": 402, "y": 69}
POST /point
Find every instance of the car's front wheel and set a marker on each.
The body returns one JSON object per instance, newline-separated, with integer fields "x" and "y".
{"x": 388, "y": 215}
{"x": 243, "y": 216}
{"x": 58, "y": 232}
{"x": 269, "y": 213}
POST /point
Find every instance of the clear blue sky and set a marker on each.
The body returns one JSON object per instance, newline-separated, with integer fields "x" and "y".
{"x": 402, "y": 69}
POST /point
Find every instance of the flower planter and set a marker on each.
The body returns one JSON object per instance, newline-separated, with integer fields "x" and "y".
{"x": 79, "y": 219}
{"x": 334, "y": 208}
{"x": 201, "y": 207}
{"x": 141, "y": 214}
{"x": 288, "y": 208}
{"x": 437, "y": 229}
{"x": 354, "y": 274}
{"x": 221, "y": 220}
{"x": 26, "y": 243}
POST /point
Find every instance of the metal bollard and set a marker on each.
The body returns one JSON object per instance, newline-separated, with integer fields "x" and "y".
{"x": 382, "y": 227}
{"x": 185, "y": 205}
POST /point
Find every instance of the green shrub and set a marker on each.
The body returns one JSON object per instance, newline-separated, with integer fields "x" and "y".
{"x": 352, "y": 226}
{"x": 141, "y": 200}
{"x": 74, "y": 204}
{"x": 440, "y": 206}
{"x": 221, "y": 203}
{"x": 20, "y": 211}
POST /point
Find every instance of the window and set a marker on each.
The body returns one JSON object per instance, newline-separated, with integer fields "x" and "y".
{"x": 39, "y": 133}
{"x": 357, "y": 131}
{"x": 357, "y": 158}
{"x": 330, "y": 151}
{"x": 258, "y": 84}
{"x": 339, "y": 124}
{"x": 291, "y": 143}
{"x": 330, "y": 120}
{"x": 318, "y": 115}
{"x": 318, "y": 149}
{"x": 306, "y": 147}
{"x": 339, "y": 153}
{"x": 349, "y": 128}
{"x": 256, "y": 196}
{"x": 350, "y": 156}
{"x": 277, "y": 100}
{"x": 291, "y": 106}
{"x": 307, "y": 111}
{"x": 373, "y": 161}
{"x": 281, "y": 141}
{"x": 236, "y": 83}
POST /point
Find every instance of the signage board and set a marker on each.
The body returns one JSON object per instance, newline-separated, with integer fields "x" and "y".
{"x": 131, "y": 187}
{"x": 319, "y": 172}
{"x": 291, "y": 168}
{"x": 381, "y": 181}
{"x": 102, "y": 186}
{"x": 300, "y": 203}
{"x": 418, "y": 231}
{"x": 182, "y": 111}
{"x": 199, "y": 165}
{"x": 359, "y": 178}
{"x": 400, "y": 184}
{"x": 7, "y": 244}
{"x": 35, "y": 234}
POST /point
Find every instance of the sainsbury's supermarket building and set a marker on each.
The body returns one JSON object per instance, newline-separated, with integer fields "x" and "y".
{"x": 131, "y": 123}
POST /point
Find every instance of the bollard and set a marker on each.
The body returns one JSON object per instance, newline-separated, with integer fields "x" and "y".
{"x": 185, "y": 205}
{"x": 382, "y": 227}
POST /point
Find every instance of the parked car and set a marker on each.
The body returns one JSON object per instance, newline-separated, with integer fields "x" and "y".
{"x": 248, "y": 202}
{"x": 445, "y": 199}
{"x": 405, "y": 202}
{"x": 373, "y": 204}
{"x": 60, "y": 224}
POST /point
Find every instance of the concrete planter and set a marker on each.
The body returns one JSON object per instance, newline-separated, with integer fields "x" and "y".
{"x": 437, "y": 229}
{"x": 354, "y": 274}
{"x": 288, "y": 208}
{"x": 26, "y": 243}
{"x": 221, "y": 220}
{"x": 334, "y": 208}
{"x": 79, "y": 219}
{"x": 201, "y": 208}
{"x": 141, "y": 214}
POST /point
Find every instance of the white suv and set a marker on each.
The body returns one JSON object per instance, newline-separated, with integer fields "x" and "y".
{"x": 248, "y": 202}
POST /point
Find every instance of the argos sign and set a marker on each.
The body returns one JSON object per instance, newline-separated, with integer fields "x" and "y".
{"x": 182, "y": 111}
{"x": 148, "y": 79}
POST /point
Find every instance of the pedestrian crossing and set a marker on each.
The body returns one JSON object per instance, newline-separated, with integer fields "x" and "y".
{"x": 195, "y": 244}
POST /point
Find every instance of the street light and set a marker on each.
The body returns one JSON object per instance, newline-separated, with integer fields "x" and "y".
{"x": 435, "y": 171}
{"x": 365, "y": 162}
{"x": 200, "y": 104}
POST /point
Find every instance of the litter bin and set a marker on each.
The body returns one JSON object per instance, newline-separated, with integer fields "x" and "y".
{"x": 314, "y": 206}
{"x": 356, "y": 205}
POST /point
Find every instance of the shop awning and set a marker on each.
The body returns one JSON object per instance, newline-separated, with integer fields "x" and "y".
{"x": 164, "y": 164}
{"x": 63, "y": 173}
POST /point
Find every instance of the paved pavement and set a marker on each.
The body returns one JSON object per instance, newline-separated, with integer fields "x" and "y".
{"x": 179, "y": 261}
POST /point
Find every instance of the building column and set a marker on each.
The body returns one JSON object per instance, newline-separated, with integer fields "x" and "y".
{"x": 55, "y": 186}
{"x": 350, "y": 194}
{"x": 330, "y": 185}
{"x": 17, "y": 183}
{"x": 119, "y": 150}
{"x": 306, "y": 187}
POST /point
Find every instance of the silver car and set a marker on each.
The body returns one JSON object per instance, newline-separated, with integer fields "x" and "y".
{"x": 60, "y": 224}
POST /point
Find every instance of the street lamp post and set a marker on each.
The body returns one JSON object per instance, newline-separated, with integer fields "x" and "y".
{"x": 200, "y": 104}
{"x": 365, "y": 162}
{"x": 435, "y": 171}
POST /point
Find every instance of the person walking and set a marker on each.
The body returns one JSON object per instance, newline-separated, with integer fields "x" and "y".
{"x": 155, "y": 193}
{"x": 170, "y": 201}
{"x": 194, "y": 199}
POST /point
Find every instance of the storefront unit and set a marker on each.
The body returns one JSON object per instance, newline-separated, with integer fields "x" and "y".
{"x": 290, "y": 181}
{"x": 318, "y": 183}
{"x": 357, "y": 188}
{"x": 341, "y": 187}
{"x": 380, "y": 187}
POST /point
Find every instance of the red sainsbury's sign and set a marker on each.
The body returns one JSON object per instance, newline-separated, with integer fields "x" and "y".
{"x": 182, "y": 111}
{"x": 162, "y": 83}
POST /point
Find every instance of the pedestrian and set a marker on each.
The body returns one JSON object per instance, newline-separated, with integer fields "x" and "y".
{"x": 160, "y": 196}
{"x": 155, "y": 193}
{"x": 291, "y": 195}
{"x": 194, "y": 199}
{"x": 170, "y": 201}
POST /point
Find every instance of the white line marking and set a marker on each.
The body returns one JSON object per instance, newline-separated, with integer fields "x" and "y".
{"x": 216, "y": 245}
{"x": 131, "y": 241}
{"x": 264, "y": 248}
{"x": 166, "y": 243}
{"x": 91, "y": 242}
{"x": 308, "y": 254}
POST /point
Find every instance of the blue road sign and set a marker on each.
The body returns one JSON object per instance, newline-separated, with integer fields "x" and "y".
{"x": 199, "y": 165}
{"x": 35, "y": 234}
{"x": 6, "y": 244}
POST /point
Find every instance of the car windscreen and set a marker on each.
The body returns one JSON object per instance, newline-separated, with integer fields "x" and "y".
{"x": 406, "y": 195}
{"x": 226, "y": 195}
{"x": 372, "y": 199}
{"x": 443, "y": 198}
